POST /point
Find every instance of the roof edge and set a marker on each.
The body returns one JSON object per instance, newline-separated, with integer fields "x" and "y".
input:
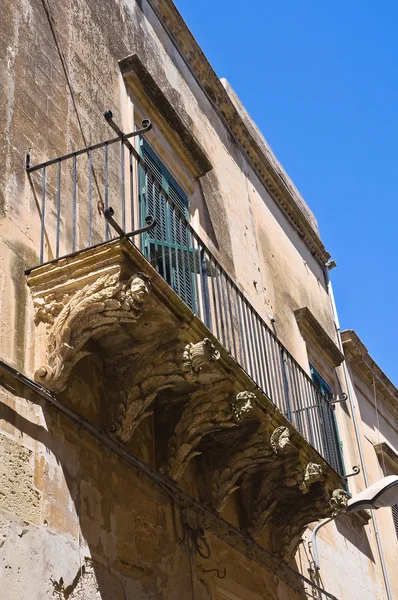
{"x": 260, "y": 155}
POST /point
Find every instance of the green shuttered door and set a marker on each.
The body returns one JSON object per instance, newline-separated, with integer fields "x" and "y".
{"x": 169, "y": 245}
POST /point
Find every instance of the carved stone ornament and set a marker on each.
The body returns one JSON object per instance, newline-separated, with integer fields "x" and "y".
{"x": 339, "y": 500}
{"x": 280, "y": 440}
{"x": 93, "y": 309}
{"x": 207, "y": 411}
{"x": 313, "y": 472}
{"x": 199, "y": 357}
{"x": 48, "y": 308}
{"x": 242, "y": 404}
{"x": 249, "y": 455}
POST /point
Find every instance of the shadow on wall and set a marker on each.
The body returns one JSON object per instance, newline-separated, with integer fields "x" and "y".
{"x": 355, "y": 535}
{"x": 100, "y": 529}
{"x": 97, "y": 530}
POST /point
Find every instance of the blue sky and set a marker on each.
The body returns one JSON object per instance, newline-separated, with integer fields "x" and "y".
{"x": 321, "y": 81}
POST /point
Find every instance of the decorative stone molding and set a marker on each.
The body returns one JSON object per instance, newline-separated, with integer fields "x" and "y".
{"x": 199, "y": 357}
{"x": 369, "y": 372}
{"x": 91, "y": 310}
{"x": 156, "y": 367}
{"x": 249, "y": 456}
{"x": 313, "y": 472}
{"x": 242, "y": 404}
{"x": 48, "y": 308}
{"x": 280, "y": 440}
{"x": 141, "y": 81}
{"x": 387, "y": 454}
{"x": 338, "y": 501}
{"x": 312, "y": 330}
{"x": 243, "y": 129}
{"x": 206, "y": 411}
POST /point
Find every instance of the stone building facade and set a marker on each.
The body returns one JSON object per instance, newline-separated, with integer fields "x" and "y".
{"x": 175, "y": 413}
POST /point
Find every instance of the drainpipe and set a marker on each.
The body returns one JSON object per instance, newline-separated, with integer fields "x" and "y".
{"x": 351, "y": 397}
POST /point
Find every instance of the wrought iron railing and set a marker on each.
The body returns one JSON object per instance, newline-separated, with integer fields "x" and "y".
{"x": 73, "y": 192}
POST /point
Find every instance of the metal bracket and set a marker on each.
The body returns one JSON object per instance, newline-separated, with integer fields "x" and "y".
{"x": 196, "y": 532}
{"x": 355, "y": 471}
{"x": 149, "y": 220}
{"x": 342, "y": 398}
{"x": 146, "y": 126}
{"x": 217, "y": 571}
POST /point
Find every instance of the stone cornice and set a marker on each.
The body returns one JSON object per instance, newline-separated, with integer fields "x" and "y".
{"x": 361, "y": 361}
{"x": 387, "y": 454}
{"x": 263, "y": 160}
{"x": 310, "y": 327}
{"x": 135, "y": 73}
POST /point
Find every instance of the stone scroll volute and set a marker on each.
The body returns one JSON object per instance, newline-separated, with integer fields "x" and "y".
{"x": 97, "y": 307}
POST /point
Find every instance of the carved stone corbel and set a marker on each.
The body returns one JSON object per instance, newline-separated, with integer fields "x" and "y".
{"x": 140, "y": 377}
{"x": 250, "y": 455}
{"x": 289, "y": 497}
{"x": 339, "y": 500}
{"x": 152, "y": 368}
{"x": 199, "y": 357}
{"x": 269, "y": 490}
{"x": 207, "y": 411}
{"x": 292, "y": 522}
{"x": 98, "y": 306}
{"x": 313, "y": 472}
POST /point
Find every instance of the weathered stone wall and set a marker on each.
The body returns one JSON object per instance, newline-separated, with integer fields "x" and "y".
{"x": 80, "y": 522}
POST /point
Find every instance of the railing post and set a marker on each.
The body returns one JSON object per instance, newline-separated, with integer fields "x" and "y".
{"x": 205, "y": 289}
{"x": 286, "y": 385}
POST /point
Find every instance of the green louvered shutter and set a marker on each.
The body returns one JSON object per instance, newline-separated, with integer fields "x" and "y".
{"x": 168, "y": 246}
{"x": 328, "y": 424}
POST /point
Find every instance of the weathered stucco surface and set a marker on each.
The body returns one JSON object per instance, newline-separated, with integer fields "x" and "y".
{"x": 79, "y": 521}
{"x": 260, "y": 248}
{"x": 98, "y": 527}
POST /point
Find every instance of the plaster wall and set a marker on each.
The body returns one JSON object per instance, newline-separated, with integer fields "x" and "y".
{"x": 349, "y": 559}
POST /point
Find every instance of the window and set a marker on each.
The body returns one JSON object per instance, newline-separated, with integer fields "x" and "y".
{"x": 329, "y": 432}
{"x": 169, "y": 246}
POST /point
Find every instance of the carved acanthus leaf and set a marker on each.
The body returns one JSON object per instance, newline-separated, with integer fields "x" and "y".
{"x": 154, "y": 369}
{"x": 95, "y": 308}
{"x": 290, "y": 522}
{"x": 207, "y": 410}
{"x": 274, "y": 486}
{"x": 249, "y": 456}
{"x": 47, "y": 308}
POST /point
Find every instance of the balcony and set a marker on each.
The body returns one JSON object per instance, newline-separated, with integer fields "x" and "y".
{"x": 175, "y": 331}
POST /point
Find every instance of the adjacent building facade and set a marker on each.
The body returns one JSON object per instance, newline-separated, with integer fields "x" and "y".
{"x": 178, "y": 406}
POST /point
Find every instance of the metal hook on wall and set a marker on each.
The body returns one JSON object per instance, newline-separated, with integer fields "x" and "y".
{"x": 217, "y": 571}
{"x": 355, "y": 471}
